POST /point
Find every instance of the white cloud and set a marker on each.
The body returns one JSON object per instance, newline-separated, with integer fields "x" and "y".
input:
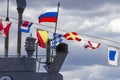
{"x": 76, "y": 79}
{"x": 95, "y": 72}
{"x": 114, "y": 25}
{"x": 95, "y": 22}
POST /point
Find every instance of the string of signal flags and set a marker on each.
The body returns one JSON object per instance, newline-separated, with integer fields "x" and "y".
{"x": 64, "y": 31}
{"x": 51, "y": 15}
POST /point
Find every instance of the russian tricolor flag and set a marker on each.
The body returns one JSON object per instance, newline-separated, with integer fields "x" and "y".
{"x": 25, "y": 26}
{"x": 113, "y": 56}
{"x": 49, "y": 15}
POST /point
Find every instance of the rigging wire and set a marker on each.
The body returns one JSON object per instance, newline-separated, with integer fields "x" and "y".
{"x": 64, "y": 31}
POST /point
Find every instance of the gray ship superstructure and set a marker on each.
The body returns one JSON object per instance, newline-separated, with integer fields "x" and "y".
{"x": 25, "y": 67}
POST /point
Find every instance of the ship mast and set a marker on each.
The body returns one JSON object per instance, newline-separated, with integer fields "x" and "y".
{"x": 7, "y": 37}
{"x": 21, "y": 4}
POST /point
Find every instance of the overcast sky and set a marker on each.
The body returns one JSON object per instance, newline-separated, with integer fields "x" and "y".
{"x": 99, "y": 18}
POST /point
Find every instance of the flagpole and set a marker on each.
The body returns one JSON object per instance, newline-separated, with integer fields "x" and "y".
{"x": 56, "y": 25}
{"x": 57, "y": 17}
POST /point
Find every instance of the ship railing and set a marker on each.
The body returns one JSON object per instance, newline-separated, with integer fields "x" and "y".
{"x": 39, "y": 58}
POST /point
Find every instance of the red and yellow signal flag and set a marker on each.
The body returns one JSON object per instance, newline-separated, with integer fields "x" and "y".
{"x": 72, "y": 36}
{"x": 42, "y": 36}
